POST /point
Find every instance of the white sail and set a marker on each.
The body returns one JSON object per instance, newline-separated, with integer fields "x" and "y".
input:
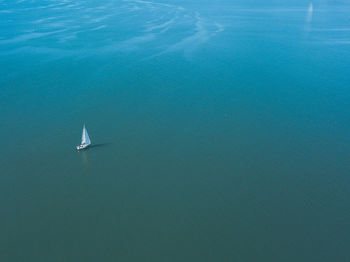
{"x": 85, "y": 139}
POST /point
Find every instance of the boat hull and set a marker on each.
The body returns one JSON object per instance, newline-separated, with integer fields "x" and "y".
{"x": 82, "y": 147}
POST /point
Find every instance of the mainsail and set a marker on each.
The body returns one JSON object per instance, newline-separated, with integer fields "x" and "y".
{"x": 85, "y": 139}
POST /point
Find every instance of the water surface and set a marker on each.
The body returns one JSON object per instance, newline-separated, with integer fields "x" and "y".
{"x": 221, "y": 130}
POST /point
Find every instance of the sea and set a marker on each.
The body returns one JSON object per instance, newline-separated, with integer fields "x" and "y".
{"x": 220, "y": 130}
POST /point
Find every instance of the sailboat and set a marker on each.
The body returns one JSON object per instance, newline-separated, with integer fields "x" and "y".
{"x": 85, "y": 140}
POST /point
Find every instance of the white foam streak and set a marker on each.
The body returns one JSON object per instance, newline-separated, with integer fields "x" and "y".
{"x": 98, "y": 28}
{"x": 164, "y": 26}
{"x": 26, "y": 37}
{"x": 310, "y": 12}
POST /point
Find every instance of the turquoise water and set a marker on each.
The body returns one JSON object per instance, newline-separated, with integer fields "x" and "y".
{"x": 220, "y": 130}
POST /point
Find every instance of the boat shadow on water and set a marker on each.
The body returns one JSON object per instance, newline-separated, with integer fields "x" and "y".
{"x": 98, "y": 145}
{"x": 84, "y": 153}
{"x": 94, "y": 146}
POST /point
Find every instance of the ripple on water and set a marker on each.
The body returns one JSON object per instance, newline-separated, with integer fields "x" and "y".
{"x": 77, "y": 27}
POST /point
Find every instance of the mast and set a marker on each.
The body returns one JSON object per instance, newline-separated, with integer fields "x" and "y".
{"x": 83, "y": 136}
{"x": 85, "y": 139}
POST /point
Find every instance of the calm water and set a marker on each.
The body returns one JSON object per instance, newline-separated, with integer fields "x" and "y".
{"x": 220, "y": 130}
